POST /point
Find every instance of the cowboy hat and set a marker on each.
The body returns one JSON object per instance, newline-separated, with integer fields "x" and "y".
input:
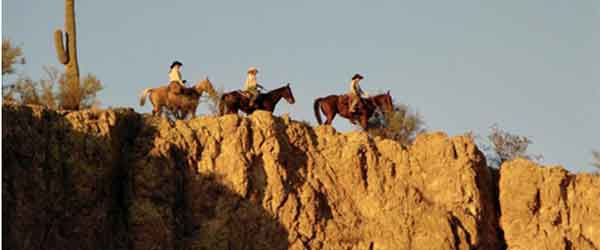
{"x": 357, "y": 76}
{"x": 176, "y": 63}
{"x": 253, "y": 70}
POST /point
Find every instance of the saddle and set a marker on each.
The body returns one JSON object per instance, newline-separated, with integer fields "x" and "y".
{"x": 360, "y": 106}
{"x": 348, "y": 101}
{"x": 180, "y": 90}
{"x": 243, "y": 93}
{"x": 247, "y": 94}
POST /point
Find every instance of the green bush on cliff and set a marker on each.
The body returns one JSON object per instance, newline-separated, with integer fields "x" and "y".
{"x": 401, "y": 125}
{"x": 502, "y": 146}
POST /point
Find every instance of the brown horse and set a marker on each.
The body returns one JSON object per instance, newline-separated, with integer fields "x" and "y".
{"x": 181, "y": 104}
{"x": 235, "y": 100}
{"x": 340, "y": 104}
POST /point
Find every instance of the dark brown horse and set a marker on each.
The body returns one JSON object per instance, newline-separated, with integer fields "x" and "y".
{"x": 181, "y": 104}
{"x": 233, "y": 101}
{"x": 340, "y": 104}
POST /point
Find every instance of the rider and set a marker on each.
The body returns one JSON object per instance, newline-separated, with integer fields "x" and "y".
{"x": 251, "y": 86}
{"x": 356, "y": 93}
{"x": 175, "y": 74}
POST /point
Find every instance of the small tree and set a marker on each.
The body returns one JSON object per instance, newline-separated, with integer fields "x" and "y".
{"x": 11, "y": 55}
{"x": 400, "y": 125}
{"x": 596, "y": 160}
{"x": 86, "y": 94}
{"x": 90, "y": 86}
{"x": 45, "y": 92}
{"x": 24, "y": 91}
{"x": 504, "y": 146}
{"x": 47, "y": 86}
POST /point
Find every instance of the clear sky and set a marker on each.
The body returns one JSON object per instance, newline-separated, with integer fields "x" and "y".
{"x": 532, "y": 66}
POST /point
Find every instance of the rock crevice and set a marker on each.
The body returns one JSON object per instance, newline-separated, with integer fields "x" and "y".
{"x": 116, "y": 179}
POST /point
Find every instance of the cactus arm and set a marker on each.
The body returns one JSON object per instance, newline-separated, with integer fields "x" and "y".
{"x": 63, "y": 56}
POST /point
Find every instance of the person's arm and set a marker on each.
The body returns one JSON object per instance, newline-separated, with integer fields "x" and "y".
{"x": 180, "y": 78}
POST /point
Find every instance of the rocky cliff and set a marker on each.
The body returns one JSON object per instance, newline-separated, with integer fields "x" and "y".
{"x": 116, "y": 179}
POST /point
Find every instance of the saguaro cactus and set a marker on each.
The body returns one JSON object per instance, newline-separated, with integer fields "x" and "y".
{"x": 67, "y": 55}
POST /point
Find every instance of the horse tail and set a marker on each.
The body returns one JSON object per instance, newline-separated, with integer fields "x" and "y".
{"x": 143, "y": 96}
{"x": 316, "y": 107}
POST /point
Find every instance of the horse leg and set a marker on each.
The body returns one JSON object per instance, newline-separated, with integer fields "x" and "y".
{"x": 364, "y": 121}
{"x": 156, "y": 110}
{"x": 330, "y": 116}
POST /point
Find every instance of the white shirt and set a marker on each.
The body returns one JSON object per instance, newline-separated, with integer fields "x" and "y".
{"x": 251, "y": 83}
{"x": 175, "y": 76}
{"x": 355, "y": 88}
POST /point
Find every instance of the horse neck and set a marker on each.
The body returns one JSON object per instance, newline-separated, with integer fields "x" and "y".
{"x": 379, "y": 100}
{"x": 201, "y": 87}
{"x": 276, "y": 94}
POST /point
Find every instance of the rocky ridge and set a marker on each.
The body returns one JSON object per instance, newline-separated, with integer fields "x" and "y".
{"x": 116, "y": 179}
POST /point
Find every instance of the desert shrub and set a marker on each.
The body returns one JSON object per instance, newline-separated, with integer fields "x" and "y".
{"x": 11, "y": 55}
{"x": 51, "y": 90}
{"x": 400, "y": 125}
{"x": 503, "y": 146}
{"x": 596, "y": 161}
{"x": 24, "y": 91}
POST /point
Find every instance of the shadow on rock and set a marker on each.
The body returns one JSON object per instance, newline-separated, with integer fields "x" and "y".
{"x": 172, "y": 206}
{"x": 63, "y": 179}
{"x": 105, "y": 180}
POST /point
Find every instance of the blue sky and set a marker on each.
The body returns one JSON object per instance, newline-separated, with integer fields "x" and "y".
{"x": 532, "y": 66}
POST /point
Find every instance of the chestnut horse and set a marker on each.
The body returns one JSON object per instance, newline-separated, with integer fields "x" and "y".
{"x": 233, "y": 101}
{"x": 340, "y": 104}
{"x": 181, "y": 104}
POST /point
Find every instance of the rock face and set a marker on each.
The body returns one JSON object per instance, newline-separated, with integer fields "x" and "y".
{"x": 116, "y": 179}
{"x": 548, "y": 208}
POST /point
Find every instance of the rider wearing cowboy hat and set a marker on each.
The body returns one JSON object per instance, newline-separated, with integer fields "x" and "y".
{"x": 175, "y": 73}
{"x": 355, "y": 91}
{"x": 251, "y": 86}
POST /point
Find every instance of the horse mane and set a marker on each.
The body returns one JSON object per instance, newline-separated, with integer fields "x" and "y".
{"x": 374, "y": 99}
{"x": 278, "y": 89}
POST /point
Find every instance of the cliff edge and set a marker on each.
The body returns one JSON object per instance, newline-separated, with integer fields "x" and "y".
{"x": 116, "y": 179}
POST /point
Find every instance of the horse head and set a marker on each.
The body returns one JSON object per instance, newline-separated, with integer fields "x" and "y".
{"x": 384, "y": 102}
{"x": 288, "y": 95}
{"x": 205, "y": 85}
{"x": 388, "y": 105}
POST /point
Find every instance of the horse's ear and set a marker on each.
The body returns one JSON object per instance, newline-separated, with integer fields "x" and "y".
{"x": 288, "y": 84}
{"x": 388, "y": 92}
{"x": 206, "y": 78}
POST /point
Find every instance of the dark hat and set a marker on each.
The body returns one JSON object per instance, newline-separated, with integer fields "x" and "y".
{"x": 357, "y": 76}
{"x": 176, "y": 63}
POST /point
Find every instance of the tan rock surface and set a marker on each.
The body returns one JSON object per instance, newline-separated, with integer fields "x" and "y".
{"x": 119, "y": 180}
{"x": 549, "y": 208}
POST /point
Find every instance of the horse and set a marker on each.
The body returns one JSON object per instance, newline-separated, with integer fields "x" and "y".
{"x": 186, "y": 102}
{"x": 234, "y": 101}
{"x": 340, "y": 104}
